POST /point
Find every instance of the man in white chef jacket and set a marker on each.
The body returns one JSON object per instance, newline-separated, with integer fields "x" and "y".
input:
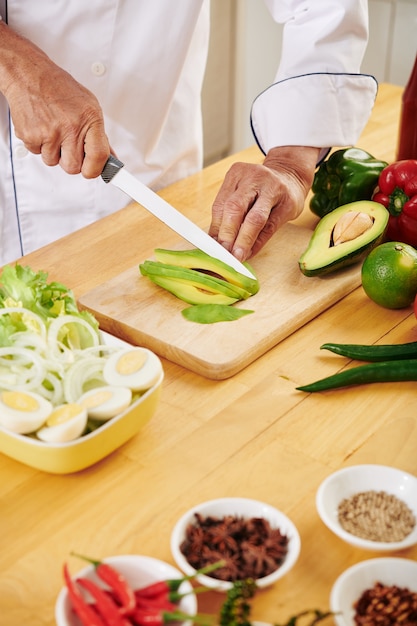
{"x": 80, "y": 78}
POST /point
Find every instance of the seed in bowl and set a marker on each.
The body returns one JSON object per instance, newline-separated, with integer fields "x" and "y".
{"x": 251, "y": 548}
{"x": 386, "y": 605}
{"x": 376, "y": 516}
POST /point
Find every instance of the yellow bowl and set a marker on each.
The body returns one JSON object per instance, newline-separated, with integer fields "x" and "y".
{"x": 73, "y": 456}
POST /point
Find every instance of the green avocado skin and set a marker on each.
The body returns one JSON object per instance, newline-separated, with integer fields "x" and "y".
{"x": 197, "y": 278}
{"x": 350, "y": 259}
{"x": 200, "y": 261}
{"x": 321, "y": 257}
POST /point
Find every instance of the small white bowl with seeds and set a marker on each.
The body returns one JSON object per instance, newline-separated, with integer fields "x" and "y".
{"x": 373, "y": 507}
{"x": 376, "y": 591}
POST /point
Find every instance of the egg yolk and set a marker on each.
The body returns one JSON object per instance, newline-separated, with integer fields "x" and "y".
{"x": 63, "y": 414}
{"x": 19, "y": 401}
{"x": 96, "y": 399}
{"x": 131, "y": 362}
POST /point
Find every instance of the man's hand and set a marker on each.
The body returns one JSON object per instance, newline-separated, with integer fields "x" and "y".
{"x": 52, "y": 113}
{"x": 255, "y": 200}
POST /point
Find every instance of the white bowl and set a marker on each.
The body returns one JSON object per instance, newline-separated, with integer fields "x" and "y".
{"x": 350, "y": 585}
{"x": 358, "y": 478}
{"x": 139, "y": 571}
{"x": 242, "y": 507}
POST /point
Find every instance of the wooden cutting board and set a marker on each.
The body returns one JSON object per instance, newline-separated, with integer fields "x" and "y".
{"x": 132, "y": 308}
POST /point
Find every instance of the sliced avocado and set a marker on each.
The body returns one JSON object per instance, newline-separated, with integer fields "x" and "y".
{"x": 192, "y": 286}
{"x": 193, "y": 294}
{"x": 212, "y": 313}
{"x": 322, "y": 256}
{"x": 200, "y": 261}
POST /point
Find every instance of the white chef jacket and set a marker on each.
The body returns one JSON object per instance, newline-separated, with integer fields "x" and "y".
{"x": 145, "y": 61}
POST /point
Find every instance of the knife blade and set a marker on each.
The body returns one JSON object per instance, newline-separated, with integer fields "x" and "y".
{"x": 114, "y": 172}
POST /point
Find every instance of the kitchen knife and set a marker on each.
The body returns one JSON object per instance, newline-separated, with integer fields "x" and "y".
{"x": 114, "y": 172}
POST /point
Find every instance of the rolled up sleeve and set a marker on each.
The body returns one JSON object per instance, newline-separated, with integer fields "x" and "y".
{"x": 319, "y": 97}
{"x": 319, "y": 110}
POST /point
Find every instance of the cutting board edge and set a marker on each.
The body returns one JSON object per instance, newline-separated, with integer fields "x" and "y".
{"x": 219, "y": 371}
{"x": 213, "y": 371}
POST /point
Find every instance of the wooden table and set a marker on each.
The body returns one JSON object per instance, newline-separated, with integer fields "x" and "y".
{"x": 251, "y": 435}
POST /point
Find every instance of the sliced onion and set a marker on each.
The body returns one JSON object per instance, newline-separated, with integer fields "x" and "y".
{"x": 26, "y": 339}
{"x": 83, "y": 374}
{"x": 26, "y": 365}
{"x": 56, "y": 326}
{"x": 56, "y": 393}
{"x": 41, "y": 359}
{"x": 101, "y": 350}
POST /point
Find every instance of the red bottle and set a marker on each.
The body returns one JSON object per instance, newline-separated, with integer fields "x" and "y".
{"x": 407, "y": 137}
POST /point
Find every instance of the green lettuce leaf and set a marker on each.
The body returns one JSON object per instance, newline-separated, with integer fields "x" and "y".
{"x": 22, "y": 287}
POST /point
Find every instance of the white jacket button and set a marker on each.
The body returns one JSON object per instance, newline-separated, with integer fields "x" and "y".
{"x": 98, "y": 68}
{"x": 20, "y": 151}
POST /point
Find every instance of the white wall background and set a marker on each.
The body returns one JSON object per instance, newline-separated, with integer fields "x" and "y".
{"x": 392, "y": 44}
{"x": 244, "y": 56}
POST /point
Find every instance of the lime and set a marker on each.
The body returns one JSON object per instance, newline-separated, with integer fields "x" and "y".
{"x": 389, "y": 275}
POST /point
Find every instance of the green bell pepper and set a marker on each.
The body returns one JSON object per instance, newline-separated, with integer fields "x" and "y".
{"x": 348, "y": 175}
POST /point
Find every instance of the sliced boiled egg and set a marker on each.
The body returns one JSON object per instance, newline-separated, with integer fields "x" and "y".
{"x": 104, "y": 403}
{"x": 23, "y": 412}
{"x": 136, "y": 368}
{"x": 65, "y": 423}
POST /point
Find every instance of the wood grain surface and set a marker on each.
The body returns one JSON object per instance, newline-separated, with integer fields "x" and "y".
{"x": 251, "y": 435}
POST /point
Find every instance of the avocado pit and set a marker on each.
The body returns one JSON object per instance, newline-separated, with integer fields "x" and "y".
{"x": 351, "y": 224}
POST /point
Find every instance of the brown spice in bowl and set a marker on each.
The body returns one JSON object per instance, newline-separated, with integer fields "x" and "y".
{"x": 249, "y": 547}
{"x": 384, "y": 605}
{"x": 376, "y": 516}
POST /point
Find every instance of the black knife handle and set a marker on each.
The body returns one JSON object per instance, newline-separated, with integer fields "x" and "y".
{"x": 111, "y": 168}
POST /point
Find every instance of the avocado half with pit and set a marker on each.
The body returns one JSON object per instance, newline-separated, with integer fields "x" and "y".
{"x": 360, "y": 226}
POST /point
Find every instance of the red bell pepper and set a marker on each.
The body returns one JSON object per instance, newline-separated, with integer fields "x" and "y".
{"x": 397, "y": 191}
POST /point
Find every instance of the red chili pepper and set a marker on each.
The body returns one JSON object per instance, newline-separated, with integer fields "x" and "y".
{"x": 158, "y": 602}
{"x": 156, "y": 617}
{"x": 116, "y": 581}
{"x": 87, "y": 614}
{"x": 397, "y": 191}
{"x": 173, "y": 584}
{"x": 159, "y": 588}
{"x": 105, "y": 604}
{"x": 168, "y": 599}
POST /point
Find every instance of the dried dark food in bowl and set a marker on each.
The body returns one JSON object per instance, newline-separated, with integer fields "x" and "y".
{"x": 250, "y": 547}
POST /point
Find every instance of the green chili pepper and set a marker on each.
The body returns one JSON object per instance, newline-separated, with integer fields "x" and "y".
{"x": 346, "y": 176}
{"x": 373, "y": 353}
{"x": 381, "y": 372}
